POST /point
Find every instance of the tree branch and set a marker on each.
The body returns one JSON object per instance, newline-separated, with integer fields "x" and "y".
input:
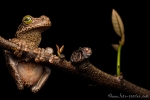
{"x": 79, "y": 64}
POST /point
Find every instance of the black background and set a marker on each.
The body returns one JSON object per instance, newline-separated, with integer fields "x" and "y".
{"x": 79, "y": 24}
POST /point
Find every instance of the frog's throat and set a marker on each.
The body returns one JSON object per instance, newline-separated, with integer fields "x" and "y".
{"x": 32, "y": 37}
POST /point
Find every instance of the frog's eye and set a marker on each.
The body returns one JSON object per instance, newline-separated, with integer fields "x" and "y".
{"x": 27, "y": 19}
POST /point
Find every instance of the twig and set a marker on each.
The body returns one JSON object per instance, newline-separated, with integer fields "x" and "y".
{"x": 79, "y": 64}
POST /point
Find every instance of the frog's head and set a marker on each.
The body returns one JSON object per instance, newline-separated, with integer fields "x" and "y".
{"x": 31, "y": 24}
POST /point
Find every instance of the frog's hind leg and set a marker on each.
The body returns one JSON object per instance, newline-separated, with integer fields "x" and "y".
{"x": 12, "y": 65}
{"x": 42, "y": 80}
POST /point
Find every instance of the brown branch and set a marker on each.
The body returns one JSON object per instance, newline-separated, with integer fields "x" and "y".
{"x": 79, "y": 64}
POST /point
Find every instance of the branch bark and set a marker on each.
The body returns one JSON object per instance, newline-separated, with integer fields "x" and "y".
{"x": 79, "y": 64}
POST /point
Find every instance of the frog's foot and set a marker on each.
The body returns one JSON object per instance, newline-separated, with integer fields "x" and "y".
{"x": 21, "y": 45}
{"x": 42, "y": 53}
{"x": 20, "y": 86}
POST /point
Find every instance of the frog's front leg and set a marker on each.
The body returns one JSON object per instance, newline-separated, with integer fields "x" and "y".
{"x": 12, "y": 63}
{"x": 42, "y": 53}
{"x": 21, "y": 45}
{"x": 47, "y": 71}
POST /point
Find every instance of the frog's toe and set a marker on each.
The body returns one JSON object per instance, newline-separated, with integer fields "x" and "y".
{"x": 35, "y": 89}
{"x": 20, "y": 86}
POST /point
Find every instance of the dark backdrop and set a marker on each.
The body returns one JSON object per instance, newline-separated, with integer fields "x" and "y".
{"x": 80, "y": 24}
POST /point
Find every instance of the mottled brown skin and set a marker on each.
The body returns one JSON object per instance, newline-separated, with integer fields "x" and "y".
{"x": 28, "y": 73}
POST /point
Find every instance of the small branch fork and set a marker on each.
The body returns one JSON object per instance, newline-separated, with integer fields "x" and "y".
{"x": 79, "y": 64}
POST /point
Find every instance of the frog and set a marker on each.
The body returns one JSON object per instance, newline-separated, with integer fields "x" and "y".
{"x": 27, "y": 73}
